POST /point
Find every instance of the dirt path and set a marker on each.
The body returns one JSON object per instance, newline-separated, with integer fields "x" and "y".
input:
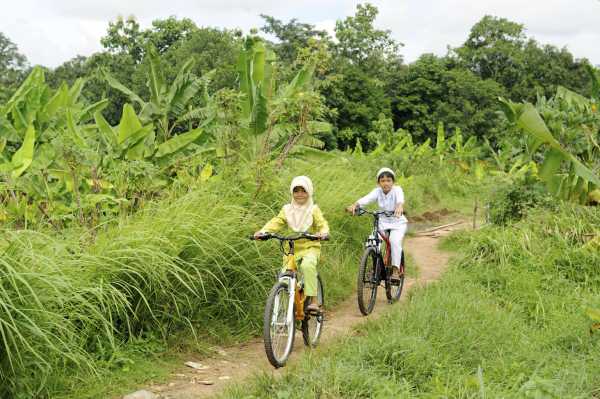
{"x": 235, "y": 363}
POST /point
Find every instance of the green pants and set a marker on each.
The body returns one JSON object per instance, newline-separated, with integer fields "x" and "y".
{"x": 307, "y": 265}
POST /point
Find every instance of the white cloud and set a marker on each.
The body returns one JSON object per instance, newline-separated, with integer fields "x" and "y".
{"x": 51, "y": 32}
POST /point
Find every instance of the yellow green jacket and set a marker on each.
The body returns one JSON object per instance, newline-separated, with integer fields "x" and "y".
{"x": 302, "y": 247}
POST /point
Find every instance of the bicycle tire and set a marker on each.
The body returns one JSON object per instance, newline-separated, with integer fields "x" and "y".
{"x": 368, "y": 281}
{"x": 312, "y": 326}
{"x": 275, "y": 358}
{"x": 393, "y": 290}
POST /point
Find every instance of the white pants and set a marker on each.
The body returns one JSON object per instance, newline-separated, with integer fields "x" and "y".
{"x": 396, "y": 236}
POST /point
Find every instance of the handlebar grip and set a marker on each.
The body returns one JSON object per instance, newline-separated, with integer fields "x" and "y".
{"x": 313, "y": 237}
{"x": 261, "y": 237}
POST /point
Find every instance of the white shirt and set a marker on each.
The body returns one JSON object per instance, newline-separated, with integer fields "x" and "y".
{"x": 386, "y": 202}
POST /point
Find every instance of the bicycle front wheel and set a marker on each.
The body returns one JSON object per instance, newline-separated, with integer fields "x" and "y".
{"x": 368, "y": 281}
{"x": 312, "y": 325}
{"x": 393, "y": 286}
{"x": 278, "y": 326}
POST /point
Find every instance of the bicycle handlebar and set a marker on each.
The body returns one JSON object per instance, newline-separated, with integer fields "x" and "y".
{"x": 361, "y": 211}
{"x": 302, "y": 236}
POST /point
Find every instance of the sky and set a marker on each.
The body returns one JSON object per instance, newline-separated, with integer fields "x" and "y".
{"x": 51, "y": 32}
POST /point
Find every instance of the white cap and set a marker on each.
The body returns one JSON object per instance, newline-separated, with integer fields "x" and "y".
{"x": 383, "y": 170}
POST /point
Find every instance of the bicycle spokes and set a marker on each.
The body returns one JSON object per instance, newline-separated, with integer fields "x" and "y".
{"x": 281, "y": 329}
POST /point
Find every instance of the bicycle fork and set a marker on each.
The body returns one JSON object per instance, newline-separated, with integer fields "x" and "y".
{"x": 289, "y": 319}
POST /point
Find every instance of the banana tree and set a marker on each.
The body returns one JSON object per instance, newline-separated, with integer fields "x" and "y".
{"x": 565, "y": 175}
{"x": 277, "y": 119}
{"x": 255, "y": 69}
{"x": 132, "y": 140}
{"x": 31, "y": 122}
{"x": 169, "y": 105}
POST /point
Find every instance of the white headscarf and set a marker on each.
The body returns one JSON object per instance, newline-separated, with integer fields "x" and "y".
{"x": 383, "y": 170}
{"x": 299, "y": 217}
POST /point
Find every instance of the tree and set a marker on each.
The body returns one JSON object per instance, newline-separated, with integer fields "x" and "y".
{"x": 498, "y": 49}
{"x": 169, "y": 32}
{"x": 357, "y": 98}
{"x": 364, "y": 60}
{"x": 494, "y": 50}
{"x": 68, "y": 72}
{"x": 363, "y": 44}
{"x": 431, "y": 90}
{"x": 124, "y": 37}
{"x": 212, "y": 49}
{"x": 292, "y": 36}
{"x": 12, "y": 67}
{"x": 176, "y": 41}
{"x": 169, "y": 105}
{"x": 546, "y": 68}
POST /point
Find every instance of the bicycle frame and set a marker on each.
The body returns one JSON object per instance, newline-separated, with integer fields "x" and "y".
{"x": 290, "y": 278}
{"x": 377, "y": 237}
{"x": 297, "y": 297}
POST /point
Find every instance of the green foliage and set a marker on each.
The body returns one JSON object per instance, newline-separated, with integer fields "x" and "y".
{"x": 364, "y": 58}
{"x": 432, "y": 91}
{"x": 23, "y": 157}
{"x": 577, "y": 178}
{"x": 168, "y": 105}
{"x": 255, "y": 69}
{"x": 202, "y": 269}
{"x": 12, "y": 67}
{"x": 498, "y": 49}
{"x": 293, "y": 36}
{"x": 513, "y": 202}
{"x": 507, "y": 320}
{"x": 56, "y": 164}
{"x": 360, "y": 42}
{"x": 124, "y": 36}
{"x": 108, "y": 165}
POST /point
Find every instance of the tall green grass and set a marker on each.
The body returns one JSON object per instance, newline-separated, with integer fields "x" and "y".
{"x": 507, "y": 321}
{"x": 182, "y": 266}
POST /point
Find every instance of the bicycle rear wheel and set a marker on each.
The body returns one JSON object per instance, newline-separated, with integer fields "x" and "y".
{"x": 393, "y": 286}
{"x": 368, "y": 281}
{"x": 278, "y": 331}
{"x": 312, "y": 325}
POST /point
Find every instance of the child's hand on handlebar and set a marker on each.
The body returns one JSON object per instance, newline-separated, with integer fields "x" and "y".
{"x": 352, "y": 209}
{"x": 399, "y": 211}
{"x": 322, "y": 236}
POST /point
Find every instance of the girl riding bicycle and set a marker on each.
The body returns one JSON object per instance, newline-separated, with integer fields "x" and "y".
{"x": 302, "y": 215}
{"x": 390, "y": 198}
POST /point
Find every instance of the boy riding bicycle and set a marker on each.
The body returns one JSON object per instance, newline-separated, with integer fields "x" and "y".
{"x": 390, "y": 198}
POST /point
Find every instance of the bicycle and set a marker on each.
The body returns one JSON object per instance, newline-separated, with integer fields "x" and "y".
{"x": 285, "y": 306}
{"x": 375, "y": 267}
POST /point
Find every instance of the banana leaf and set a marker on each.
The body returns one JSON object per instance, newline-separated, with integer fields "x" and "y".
{"x": 563, "y": 185}
{"x": 24, "y": 155}
{"x": 177, "y": 143}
